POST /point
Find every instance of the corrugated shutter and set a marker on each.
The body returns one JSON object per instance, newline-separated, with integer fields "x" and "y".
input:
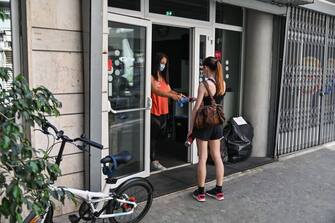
{"x": 306, "y": 115}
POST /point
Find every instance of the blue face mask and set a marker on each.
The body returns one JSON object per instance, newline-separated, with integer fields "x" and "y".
{"x": 161, "y": 67}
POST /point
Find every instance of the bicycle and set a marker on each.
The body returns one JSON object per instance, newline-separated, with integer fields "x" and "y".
{"x": 111, "y": 204}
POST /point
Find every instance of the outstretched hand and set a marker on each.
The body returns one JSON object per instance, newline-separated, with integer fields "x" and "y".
{"x": 176, "y": 97}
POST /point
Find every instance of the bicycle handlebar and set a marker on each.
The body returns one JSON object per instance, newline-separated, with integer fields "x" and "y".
{"x": 47, "y": 125}
{"x": 89, "y": 142}
{"x": 60, "y": 135}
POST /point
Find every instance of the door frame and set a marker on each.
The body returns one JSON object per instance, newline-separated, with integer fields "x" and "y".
{"x": 195, "y": 33}
{"x": 148, "y": 25}
{"x": 192, "y": 155}
{"x": 194, "y": 83}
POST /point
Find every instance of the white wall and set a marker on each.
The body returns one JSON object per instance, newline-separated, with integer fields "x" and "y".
{"x": 257, "y": 81}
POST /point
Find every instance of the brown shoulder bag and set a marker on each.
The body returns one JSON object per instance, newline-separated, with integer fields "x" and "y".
{"x": 209, "y": 115}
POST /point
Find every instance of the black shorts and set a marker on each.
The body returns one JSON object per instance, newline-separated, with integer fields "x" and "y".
{"x": 210, "y": 133}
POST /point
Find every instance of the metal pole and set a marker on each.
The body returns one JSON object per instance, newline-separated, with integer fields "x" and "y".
{"x": 324, "y": 51}
{"x": 331, "y": 64}
{"x": 304, "y": 82}
{"x": 278, "y": 150}
{"x": 309, "y": 79}
{"x": 295, "y": 78}
{"x": 315, "y": 78}
{"x": 300, "y": 79}
{"x": 324, "y": 133}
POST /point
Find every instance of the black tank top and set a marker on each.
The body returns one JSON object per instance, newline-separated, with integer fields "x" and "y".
{"x": 218, "y": 98}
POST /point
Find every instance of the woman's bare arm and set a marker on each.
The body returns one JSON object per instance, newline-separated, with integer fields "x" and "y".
{"x": 201, "y": 94}
{"x": 169, "y": 94}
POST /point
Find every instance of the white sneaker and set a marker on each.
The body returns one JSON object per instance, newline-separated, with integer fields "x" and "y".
{"x": 157, "y": 166}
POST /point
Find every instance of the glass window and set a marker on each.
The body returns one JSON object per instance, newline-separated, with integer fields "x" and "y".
{"x": 128, "y": 4}
{"x": 195, "y": 9}
{"x": 126, "y": 92}
{"x": 229, "y": 14}
{"x": 228, "y": 51}
{"x": 6, "y": 51}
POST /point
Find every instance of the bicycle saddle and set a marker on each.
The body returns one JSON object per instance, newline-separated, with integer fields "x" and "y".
{"x": 122, "y": 157}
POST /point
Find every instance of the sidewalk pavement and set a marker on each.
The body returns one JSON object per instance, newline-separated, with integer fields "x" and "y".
{"x": 299, "y": 189}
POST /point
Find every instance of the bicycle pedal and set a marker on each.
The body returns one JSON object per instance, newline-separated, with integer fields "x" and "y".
{"x": 74, "y": 218}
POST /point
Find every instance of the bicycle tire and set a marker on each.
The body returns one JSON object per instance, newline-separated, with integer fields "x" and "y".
{"x": 50, "y": 214}
{"x": 48, "y": 218}
{"x": 30, "y": 217}
{"x": 132, "y": 183}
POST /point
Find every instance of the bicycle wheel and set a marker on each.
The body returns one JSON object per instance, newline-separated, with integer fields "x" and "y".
{"x": 33, "y": 218}
{"x": 50, "y": 214}
{"x": 137, "y": 190}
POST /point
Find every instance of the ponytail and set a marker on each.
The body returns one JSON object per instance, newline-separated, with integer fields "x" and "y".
{"x": 215, "y": 66}
{"x": 220, "y": 85}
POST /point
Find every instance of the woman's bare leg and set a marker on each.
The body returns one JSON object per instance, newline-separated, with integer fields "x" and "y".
{"x": 214, "y": 146}
{"x": 203, "y": 154}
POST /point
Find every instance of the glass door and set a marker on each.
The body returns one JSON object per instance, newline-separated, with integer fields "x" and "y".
{"x": 203, "y": 47}
{"x": 129, "y": 58}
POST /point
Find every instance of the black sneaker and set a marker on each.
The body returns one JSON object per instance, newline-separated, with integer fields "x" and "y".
{"x": 199, "y": 197}
{"x": 217, "y": 195}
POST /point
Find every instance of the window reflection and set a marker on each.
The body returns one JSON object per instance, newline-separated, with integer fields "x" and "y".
{"x": 195, "y": 9}
{"x": 228, "y": 51}
{"x": 129, "y": 4}
{"x": 6, "y": 51}
{"x": 126, "y": 68}
{"x": 202, "y": 55}
{"x": 229, "y": 14}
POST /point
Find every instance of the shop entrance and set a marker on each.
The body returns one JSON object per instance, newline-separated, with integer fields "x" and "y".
{"x": 175, "y": 43}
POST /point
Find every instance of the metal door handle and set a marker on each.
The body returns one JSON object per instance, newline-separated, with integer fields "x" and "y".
{"x": 148, "y": 107}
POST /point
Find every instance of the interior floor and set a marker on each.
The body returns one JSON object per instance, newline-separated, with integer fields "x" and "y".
{"x": 172, "y": 153}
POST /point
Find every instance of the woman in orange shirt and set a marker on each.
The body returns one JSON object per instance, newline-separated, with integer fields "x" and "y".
{"x": 160, "y": 94}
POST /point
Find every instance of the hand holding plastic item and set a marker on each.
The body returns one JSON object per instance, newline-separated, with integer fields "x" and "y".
{"x": 191, "y": 99}
{"x": 175, "y": 96}
{"x": 189, "y": 140}
{"x": 184, "y": 100}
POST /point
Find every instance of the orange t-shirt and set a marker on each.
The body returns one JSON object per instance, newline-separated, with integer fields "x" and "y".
{"x": 160, "y": 105}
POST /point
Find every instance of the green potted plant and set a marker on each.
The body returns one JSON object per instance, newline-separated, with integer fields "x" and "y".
{"x": 24, "y": 171}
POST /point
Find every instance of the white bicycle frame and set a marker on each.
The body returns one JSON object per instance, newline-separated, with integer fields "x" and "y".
{"x": 99, "y": 198}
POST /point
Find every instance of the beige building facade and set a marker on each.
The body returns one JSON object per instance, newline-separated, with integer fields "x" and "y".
{"x": 55, "y": 60}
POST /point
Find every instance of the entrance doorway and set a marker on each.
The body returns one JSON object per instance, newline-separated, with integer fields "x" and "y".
{"x": 175, "y": 43}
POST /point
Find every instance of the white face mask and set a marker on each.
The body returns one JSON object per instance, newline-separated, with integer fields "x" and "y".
{"x": 162, "y": 67}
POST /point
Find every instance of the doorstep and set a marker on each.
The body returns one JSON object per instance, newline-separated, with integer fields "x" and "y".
{"x": 171, "y": 181}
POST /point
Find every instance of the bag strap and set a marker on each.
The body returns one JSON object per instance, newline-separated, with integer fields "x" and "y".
{"x": 209, "y": 92}
{"x": 213, "y": 81}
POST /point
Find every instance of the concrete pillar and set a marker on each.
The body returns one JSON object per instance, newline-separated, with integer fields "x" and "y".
{"x": 257, "y": 80}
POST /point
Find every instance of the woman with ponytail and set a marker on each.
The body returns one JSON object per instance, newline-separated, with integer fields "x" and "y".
{"x": 209, "y": 136}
